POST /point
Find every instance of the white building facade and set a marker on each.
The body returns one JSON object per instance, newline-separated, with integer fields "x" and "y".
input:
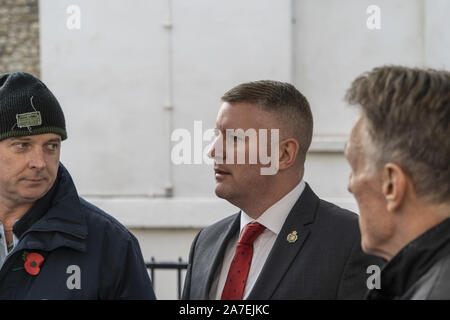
{"x": 128, "y": 73}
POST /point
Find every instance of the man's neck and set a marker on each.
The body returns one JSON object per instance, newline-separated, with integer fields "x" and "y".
{"x": 419, "y": 220}
{"x": 9, "y": 214}
{"x": 256, "y": 207}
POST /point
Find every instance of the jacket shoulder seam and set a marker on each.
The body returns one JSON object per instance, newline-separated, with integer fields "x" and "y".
{"x": 105, "y": 216}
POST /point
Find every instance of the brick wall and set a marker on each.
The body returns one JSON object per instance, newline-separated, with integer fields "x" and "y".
{"x": 19, "y": 36}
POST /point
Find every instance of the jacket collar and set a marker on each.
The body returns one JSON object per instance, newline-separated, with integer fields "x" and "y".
{"x": 214, "y": 255}
{"x": 413, "y": 261}
{"x": 284, "y": 251}
{"x": 55, "y": 220}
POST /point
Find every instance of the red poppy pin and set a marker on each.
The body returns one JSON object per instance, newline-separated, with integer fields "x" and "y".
{"x": 33, "y": 262}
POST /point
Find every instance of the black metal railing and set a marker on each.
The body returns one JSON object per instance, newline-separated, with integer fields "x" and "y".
{"x": 179, "y": 266}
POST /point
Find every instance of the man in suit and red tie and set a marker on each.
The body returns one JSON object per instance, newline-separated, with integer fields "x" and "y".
{"x": 285, "y": 243}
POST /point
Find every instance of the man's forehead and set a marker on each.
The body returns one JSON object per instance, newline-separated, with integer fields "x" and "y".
{"x": 243, "y": 115}
{"x": 359, "y": 143}
{"x": 38, "y": 138}
{"x": 357, "y": 132}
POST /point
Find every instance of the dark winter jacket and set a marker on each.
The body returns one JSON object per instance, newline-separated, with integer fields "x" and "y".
{"x": 86, "y": 253}
{"x": 421, "y": 270}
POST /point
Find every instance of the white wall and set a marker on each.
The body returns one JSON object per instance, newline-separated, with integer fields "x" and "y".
{"x": 136, "y": 71}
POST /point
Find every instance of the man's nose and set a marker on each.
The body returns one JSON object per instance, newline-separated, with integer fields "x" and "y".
{"x": 349, "y": 185}
{"x": 211, "y": 152}
{"x": 216, "y": 151}
{"x": 37, "y": 159}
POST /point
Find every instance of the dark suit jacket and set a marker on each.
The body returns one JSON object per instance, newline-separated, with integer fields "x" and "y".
{"x": 326, "y": 262}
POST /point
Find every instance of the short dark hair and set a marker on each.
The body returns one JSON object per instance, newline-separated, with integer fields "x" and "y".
{"x": 408, "y": 113}
{"x": 282, "y": 99}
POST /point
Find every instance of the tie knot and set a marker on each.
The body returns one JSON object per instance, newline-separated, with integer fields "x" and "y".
{"x": 251, "y": 232}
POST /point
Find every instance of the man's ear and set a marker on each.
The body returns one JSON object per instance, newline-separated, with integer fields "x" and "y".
{"x": 394, "y": 186}
{"x": 288, "y": 153}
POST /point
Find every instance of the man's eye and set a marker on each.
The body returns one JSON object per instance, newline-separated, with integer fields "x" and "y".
{"x": 21, "y": 145}
{"x": 53, "y": 146}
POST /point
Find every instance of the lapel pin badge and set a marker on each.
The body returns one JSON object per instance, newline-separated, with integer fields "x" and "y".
{"x": 292, "y": 237}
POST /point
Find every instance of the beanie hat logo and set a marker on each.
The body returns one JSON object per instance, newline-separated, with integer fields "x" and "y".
{"x": 29, "y": 119}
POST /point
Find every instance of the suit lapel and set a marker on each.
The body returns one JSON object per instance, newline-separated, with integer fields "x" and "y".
{"x": 215, "y": 254}
{"x": 284, "y": 252}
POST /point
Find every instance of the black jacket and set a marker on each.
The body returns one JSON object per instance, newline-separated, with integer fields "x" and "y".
{"x": 87, "y": 253}
{"x": 421, "y": 270}
{"x": 325, "y": 262}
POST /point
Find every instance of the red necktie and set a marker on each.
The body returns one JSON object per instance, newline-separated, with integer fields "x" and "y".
{"x": 240, "y": 266}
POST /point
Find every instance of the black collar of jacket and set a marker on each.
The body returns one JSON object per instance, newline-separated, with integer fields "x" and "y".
{"x": 55, "y": 220}
{"x": 413, "y": 261}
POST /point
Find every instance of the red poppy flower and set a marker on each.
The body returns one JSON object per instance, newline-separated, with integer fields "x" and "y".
{"x": 33, "y": 262}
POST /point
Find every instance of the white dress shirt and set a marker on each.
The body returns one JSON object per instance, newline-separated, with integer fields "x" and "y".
{"x": 273, "y": 219}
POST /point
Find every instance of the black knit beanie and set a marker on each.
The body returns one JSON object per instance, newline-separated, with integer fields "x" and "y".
{"x": 27, "y": 107}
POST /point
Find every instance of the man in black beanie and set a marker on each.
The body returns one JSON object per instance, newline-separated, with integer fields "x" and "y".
{"x": 54, "y": 244}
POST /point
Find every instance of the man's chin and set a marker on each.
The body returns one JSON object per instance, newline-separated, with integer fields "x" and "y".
{"x": 220, "y": 192}
{"x": 33, "y": 195}
{"x": 223, "y": 192}
{"x": 28, "y": 198}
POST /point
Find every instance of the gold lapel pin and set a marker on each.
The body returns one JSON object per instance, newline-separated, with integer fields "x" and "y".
{"x": 292, "y": 237}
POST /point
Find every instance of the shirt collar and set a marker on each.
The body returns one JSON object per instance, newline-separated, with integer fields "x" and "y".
{"x": 274, "y": 217}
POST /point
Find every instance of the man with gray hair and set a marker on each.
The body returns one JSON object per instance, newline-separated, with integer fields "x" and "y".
{"x": 399, "y": 153}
